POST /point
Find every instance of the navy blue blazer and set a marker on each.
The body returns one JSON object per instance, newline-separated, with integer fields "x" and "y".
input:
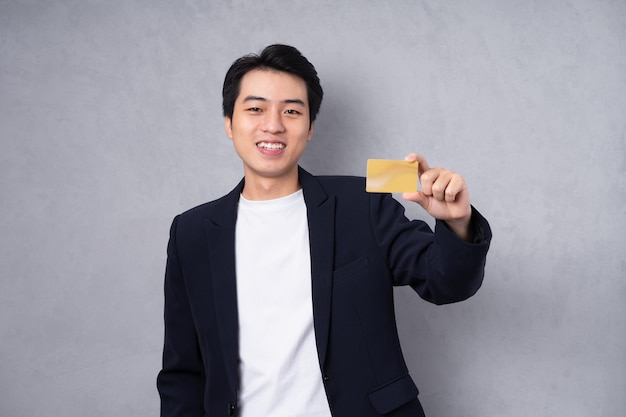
{"x": 361, "y": 246}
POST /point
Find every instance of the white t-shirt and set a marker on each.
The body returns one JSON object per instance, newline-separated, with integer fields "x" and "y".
{"x": 279, "y": 366}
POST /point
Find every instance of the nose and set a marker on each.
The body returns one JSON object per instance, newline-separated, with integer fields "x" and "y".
{"x": 273, "y": 122}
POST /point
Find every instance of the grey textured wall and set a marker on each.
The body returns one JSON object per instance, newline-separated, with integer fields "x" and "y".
{"x": 110, "y": 124}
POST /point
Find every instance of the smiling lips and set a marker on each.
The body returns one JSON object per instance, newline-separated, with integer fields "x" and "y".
{"x": 271, "y": 146}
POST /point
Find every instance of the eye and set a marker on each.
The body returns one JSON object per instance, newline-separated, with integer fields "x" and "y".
{"x": 254, "y": 109}
{"x": 292, "y": 112}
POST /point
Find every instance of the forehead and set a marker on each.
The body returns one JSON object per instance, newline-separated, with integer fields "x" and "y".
{"x": 272, "y": 85}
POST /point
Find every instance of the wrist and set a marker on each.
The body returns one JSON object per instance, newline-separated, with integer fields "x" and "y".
{"x": 462, "y": 228}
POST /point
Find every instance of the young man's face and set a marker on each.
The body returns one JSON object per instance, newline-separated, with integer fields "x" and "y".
{"x": 270, "y": 125}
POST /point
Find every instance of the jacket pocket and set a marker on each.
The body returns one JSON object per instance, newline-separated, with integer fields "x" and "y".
{"x": 350, "y": 269}
{"x": 394, "y": 394}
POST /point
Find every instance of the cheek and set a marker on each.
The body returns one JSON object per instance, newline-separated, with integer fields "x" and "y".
{"x": 248, "y": 125}
{"x": 303, "y": 131}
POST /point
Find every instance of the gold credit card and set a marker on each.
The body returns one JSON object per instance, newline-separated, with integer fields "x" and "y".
{"x": 391, "y": 176}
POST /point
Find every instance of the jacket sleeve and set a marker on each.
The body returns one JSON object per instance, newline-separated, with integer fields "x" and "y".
{"x": 439, "y": 266}
{"x": 181, "y": 380}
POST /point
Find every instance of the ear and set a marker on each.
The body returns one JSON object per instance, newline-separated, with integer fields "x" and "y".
{"x": 228, "y": 126}
{"x": 311, "y": 129}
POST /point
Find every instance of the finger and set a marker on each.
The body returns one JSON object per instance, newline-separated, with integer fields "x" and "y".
{"x": 428, "y": 179}
{"x": 417, "y": 197}
{"x": 439, "y": 185}
{"x": 447, "y": 186}
{"x": 422, "y": 163}
{"x": 455, "y": 186}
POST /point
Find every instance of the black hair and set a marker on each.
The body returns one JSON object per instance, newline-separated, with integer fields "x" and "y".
{"x": 274, "y": 57}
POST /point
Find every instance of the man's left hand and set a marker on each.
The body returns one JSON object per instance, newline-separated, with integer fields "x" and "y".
{"x": 444, "y": 196}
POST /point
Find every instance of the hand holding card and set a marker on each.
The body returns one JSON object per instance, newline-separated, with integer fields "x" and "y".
{"x": 391, "y": 176}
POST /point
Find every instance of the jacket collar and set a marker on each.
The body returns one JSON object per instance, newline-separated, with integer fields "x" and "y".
{"x": 321, "y": 218}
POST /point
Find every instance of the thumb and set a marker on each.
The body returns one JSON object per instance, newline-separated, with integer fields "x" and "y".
{"x": 422, "y": 163}
{"x": 417, "y": 197}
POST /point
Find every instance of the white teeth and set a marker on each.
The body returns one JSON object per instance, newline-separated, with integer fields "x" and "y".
{"x": 270, "y": 146}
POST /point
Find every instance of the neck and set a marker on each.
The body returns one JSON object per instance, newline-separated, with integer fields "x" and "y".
{"x": 269, "y": 188}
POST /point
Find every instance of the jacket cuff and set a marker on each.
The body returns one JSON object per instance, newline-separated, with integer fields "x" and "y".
{"x": 480, "y": 227}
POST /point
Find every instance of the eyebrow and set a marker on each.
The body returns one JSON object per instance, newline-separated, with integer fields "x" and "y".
{"x": 286, "y": 101}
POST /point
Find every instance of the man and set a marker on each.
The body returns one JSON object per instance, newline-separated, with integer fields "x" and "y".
{"x": 279, "y": 295}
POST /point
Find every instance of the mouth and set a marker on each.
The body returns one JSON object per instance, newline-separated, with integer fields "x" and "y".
{"x": 271, "y": 146}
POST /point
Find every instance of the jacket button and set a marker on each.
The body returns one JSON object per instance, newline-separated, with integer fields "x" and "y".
{"x": 231, "y": 409}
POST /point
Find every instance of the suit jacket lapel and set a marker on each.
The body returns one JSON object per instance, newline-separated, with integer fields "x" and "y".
{"x": 220, "y": 231}
{"x": 321, "y": 218}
